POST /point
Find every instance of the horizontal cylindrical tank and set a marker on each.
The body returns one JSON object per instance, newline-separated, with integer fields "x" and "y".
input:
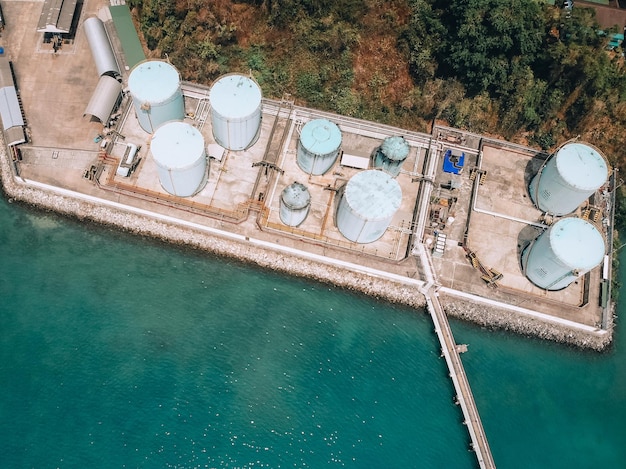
{"x": 318, "y": 146}
{"x": 295, "y": 203}
{"x": 568, "y": 178}
{"x": 157, "y": 96}
{"x": 561, "y": 254}
{"x": 391, "y": 154}
{"x": 367, "y": 205}
{"x": 100, "y": 46}
{"x": 235, "y": 111}
{"x": 178, "y": 151}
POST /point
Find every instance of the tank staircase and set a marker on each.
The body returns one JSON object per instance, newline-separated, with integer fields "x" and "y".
{"x": 464, "y": 397}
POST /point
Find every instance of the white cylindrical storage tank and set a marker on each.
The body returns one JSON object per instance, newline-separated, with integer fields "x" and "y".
{"x": 367, "y": 205}
{"x": 178, "y": 150}
{"x": 295, "y": 203}
{"x": 235, "y": 111}
{"x": 157, "y": 97}
{"x": 561, "y": 254}
{"x": 318, "y": 146}
{"x": 568, "y": 178}
{"x": 391, "y": 154}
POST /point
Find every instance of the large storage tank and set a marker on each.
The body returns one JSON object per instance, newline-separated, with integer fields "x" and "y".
{"x": 568, "y": 178}
{"x": 295, "y": 203}
{"x": 318, "y": 146}
{"x": 561, "y": 254}
{"x": 367, "y": 205}
{"x": 178, "y": 150}
{"x": 391, "y": 154}
{"x": 235, "y": 111}
{"x": 157, "y": 97}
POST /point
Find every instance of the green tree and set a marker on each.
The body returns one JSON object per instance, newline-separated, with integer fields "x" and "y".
{"x": 484, "y": 38}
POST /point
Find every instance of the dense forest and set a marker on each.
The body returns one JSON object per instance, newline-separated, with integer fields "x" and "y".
{"x": 521, "y": 70}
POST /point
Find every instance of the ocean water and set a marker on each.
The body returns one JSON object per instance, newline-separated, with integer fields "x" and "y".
{"x": 117, "y": 351}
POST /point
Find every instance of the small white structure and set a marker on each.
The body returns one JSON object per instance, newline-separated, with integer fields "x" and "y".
{"x": 179, "y": 152}
{"x": 568, "y": 178}
{"x": 318, "y": 146}
{"x": 563, "y": 253}
{"x": 368, "y": 203}
{"x": 235, "y": 111}
{"x": 295, "y": 203}
{"x": 157, "y": 96}
{"x": 127, "y": 161}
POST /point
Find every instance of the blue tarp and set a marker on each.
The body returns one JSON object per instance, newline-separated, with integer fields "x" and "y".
{"x": 453, "y": 163}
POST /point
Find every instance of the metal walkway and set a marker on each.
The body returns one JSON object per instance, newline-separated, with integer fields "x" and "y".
{"x": 464, "y": 396}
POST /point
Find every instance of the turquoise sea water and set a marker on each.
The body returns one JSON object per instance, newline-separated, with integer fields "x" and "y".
{"x": 116, "y": 351}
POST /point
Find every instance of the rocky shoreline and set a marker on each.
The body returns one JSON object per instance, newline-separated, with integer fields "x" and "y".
{"x": 381, "y": 288}
{"x": 497, "y": 318}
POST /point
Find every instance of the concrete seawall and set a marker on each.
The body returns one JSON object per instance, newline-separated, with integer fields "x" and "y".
{"x": 499, "y": 318}
{"x": 401, "y": 291}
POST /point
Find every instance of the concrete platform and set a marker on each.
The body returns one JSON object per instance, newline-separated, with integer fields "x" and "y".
{"x": 501, "y": 222}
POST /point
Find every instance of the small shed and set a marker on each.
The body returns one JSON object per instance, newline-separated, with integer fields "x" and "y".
{"x": 57, "y": 16}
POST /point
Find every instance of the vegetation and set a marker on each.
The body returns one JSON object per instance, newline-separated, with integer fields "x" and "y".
{"x": 519, "y": 69}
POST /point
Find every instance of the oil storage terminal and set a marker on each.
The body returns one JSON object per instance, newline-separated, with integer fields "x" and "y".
{"x": 469, "y": 226}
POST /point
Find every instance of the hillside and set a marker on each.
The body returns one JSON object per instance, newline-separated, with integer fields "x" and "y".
{"x": 517, "y": 69}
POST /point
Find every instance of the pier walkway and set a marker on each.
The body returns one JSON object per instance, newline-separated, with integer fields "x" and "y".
{"x": 464, "y": 397}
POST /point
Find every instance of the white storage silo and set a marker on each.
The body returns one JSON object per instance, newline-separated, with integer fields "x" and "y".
{"x": 235, "y": 111}
{"x": 295, "y": 203}
{"x": 367, "y": 205}
{"x": 318, "y": 146}
{"x": 568, "y": 178}
{"x": 157, "y": 97}
{"x": 178, "y": 150}
{"x": 564, "y": 252}
{"x": 391, "y": 154}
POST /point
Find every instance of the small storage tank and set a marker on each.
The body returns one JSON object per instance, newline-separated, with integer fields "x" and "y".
{"x": 157, "y": 97}
{"x": 568, "y": 178}
{"x": 318, "y": 146}
{"x": 295, "y": 203}
{"x": 235, "y": 111}
{"x": 564, "y": 252}
{"x": 178, "y": 150}
{"x": 391, "y": 155}
{"x": 367, "y": 205}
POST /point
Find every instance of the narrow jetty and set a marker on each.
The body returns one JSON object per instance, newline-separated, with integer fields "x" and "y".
{"x": 464, "y": 397}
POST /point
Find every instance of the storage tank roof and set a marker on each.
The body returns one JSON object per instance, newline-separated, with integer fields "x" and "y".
{"x": 374, "y": 195}
{"x": 235, "y": 96}
{"x": 153, "y": 81}
{"x": 296, "y": 196}
{"x": 577, "y": 243}
{"x": 581, "y": 166}
{"x": 395, "y": 148}
{"x": 177, "y": 145}
{"x": 320, "y": 136}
